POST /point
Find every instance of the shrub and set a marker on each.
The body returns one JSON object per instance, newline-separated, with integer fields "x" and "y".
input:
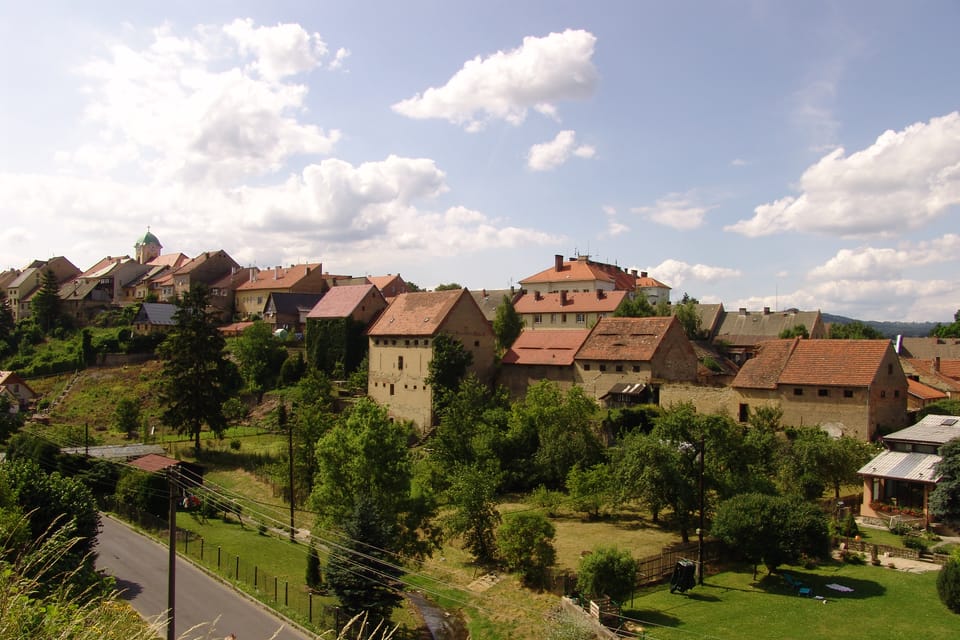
{"x": 607, "y": 571}
{"x": 235, "y": 444}
{"x": 525, "y": 541}
{"x": 549, "y": 501}
{"x": 948, "y": 584}
{"x": 915, "y": 542}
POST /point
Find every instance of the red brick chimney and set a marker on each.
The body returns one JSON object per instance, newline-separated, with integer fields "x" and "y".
{"x": 563, "y": 297}
{"x": 558, "y": 262}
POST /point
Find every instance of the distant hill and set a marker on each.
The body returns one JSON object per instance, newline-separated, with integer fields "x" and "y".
{"x": 889, "y": 329}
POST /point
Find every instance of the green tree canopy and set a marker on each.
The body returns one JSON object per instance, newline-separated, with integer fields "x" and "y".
{"x": 814, "y": 461}
{"x": 525, "y": 540}
{"x": 507, "y": 324}
{"x": 773, "y": 530}
{"x": 126, "y": 417}
{"x": 688, "y": 314}
{"x": 796, "y": 331}
{"x": 945, "y": 497}
{"x": 473, "y": 425}
{"x": 450, "y": 286}
{"x": 365, "y": 456}
{"x": 261, "y": 355}
{"x": 447, "y": 368}
{"x": 951, "y": 330}
{"x": 45, "y": 304}
{"x": 607, "y": 571}
{"x": 949, "y": 407}
{"x": 634, "y": 307}
{"x": 196, "y": 377}
{"x": 473, "y": 514}
{"x": 855, "y": 330}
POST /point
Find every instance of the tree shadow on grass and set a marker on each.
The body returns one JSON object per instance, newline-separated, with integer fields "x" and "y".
{"x": 651, "y": 617}
{"x": 860, "y": 589}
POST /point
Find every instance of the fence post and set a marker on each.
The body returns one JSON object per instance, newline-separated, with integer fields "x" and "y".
{"x": 236, "y": 574}
{"x": 310, "y": 607}
{"x": 286, "y": 594}
{"x": 201, "y": 549}
{"x": 255, "y": 576}
{"x": 274, "y": 588}
{"x": 186, "y": 542}
{"x": 218, "y": 558}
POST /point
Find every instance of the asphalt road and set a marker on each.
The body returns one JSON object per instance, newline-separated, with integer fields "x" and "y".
{"x": 205, "y": 607}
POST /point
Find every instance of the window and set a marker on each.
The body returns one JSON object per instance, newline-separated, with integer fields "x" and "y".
{"x": 636, "y": 368}
{"x": 476, "y": 343}
{"x": 619, "y": 368}
{"x": 553, "y": 318}
{"x": 426, "y": 343}
{"x": 883, "y": 394}
{"x": 406, "y": 342}
{"x": 586, "y": 367}
{"x": 744, "y": 413}
{"x": 896, "y": 393}
{"x": 823, "y": 393}
{"x": 538, "y": 318}
{"x": 563, "y": 317}
{"x": 400, "y": 363}
{"x": 797, "y": 391}
{"x": 889, "y": 369}
{"x": 848, "y": 393}
{"x": 393, "y": 342}
{"x": 603, "y": 367}
{"x": 581, "y": 318}
{"x": 391, "y": 388}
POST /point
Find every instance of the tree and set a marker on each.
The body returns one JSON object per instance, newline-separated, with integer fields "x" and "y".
{"x": 607, "y": 571}
{"x": 447, "y": 368}
{"x": 525, "y": 540}
{"x": 147, "y": 492}
{"x": 590, "y": 490}
{"x": 950, "y": 407}
{"x": 855, "y": 330}
{"x": 362, "y": 571}
{"x": 634, "y": 307}
{"x": 261, "y": 355}
{"x": 9, "y": 422}
{"x": 473, "y": 426}
{"x": 313, "y": 578}
{"x": 948, "y": 331}
{"x": 796, "y": 331}
{"x": 365, "y": 457}
{"x": 688, "y": 314}
{"x": 555, "y": 430}
{"x": 450, "y": 286}
{"x": 814, "y": 461}
{"x": 45, "y": 304}
{"x": 474, "y": 516}
{"x": 945, "y": 497}
{"x": 948, "y": 583}
{"x": 126, "y": 417}
{"x": 7, "y": 326}
{"x": 507, "y": 324}
{"x": 773, "y": 530}
{"x": 196, "y": 376}
{"x": 646, "y": 468}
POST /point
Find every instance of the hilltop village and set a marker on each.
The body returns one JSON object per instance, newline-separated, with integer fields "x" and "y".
{"x": 719, "y": 360}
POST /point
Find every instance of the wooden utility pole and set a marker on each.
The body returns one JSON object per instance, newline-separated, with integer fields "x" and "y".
{"x": 700, "y": 528}
{"x": 282, "y": 419}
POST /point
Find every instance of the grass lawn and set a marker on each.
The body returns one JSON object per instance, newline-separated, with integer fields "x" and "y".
{"x": 885, "y": 603}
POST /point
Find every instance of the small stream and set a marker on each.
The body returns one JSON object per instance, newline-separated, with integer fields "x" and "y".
{"x": 442, "y": 624}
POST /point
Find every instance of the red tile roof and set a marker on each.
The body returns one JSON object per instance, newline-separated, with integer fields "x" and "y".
{"x": 579, "y": 302}
{"x": 924, "y": 392}
{"x": 941, "y": 378}
{"x": 546, "y": 347}
{"x": 647, "y": 281}
{"x": 172, "y": 260}
{"x": 279, "y": 278}
{"x": 627, "y": 339}
{"x": 585, "y": 270}
{"x": 389, "y": 285}
{"x": 764, "y": 369}
{"x": 341, "y": 302}
{"x": 417, "y": 314}
{"x": 835, "y": 362}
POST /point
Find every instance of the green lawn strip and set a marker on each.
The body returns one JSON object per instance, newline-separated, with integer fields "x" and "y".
{"x": 884, "y": 604}
{"x": 277, "y": 565}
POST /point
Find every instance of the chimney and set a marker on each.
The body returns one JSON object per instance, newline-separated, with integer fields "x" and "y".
{"x": 766, "y": 311}
{"x": 599, "y": 294}
{"x": 633, "y": 272}
{"x": 563, "y": 297}
{"x": 276, "y": 272}
{"x": 484, "y": 294}
{"x": 536, "y": 295}
{"x": 643, "y": 274}
{"x": 936, "y": 364}
{"x": 558, "y": 262}
{"x": 743, "y": 311}
{"x": 253, "y": 274}
{"x": 512, "y": 291}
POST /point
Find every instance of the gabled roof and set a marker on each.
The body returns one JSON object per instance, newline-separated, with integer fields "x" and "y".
{"x": 943, "y": 368}
{"x": 341, "y": 302}
{"x": 191, "y": 265}
{"x": 156, "y": 313}
{"x": 711, "y": 315}
{"x": 927, "y": 370}
{"x": 546, "y": 347}
{"x": 626, "y": 339}
{"x": 583, "y": 269}
{"x": 932, "y": 429}
{"x": 11, "y": 377}
{"x": 7, "y": 277}
{"x": 279, "y": 277}
{"x": 418, "y": 314}
{"x": 104, "y": 266}
{"x": 903, "y": 465}
{"x": 646, "y": 282}
{"x": 389, "y": 285}
{"x": 748, "y": 328}
{"x": 489, "y": 299}
{"x": 764, "y": 369}
{"x": 292, "y": 303}
{"x": 580, "y": 302}
{"x": 852, "y": 363}
{"x": 930, "y": 348}
{"x": 78, "y": 289}
{"x": 172, "y": 260}
{"x": 153, "y": 462}
{"x": 924, "y": 392}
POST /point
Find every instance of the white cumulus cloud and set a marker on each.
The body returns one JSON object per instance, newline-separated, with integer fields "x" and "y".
{"x": 550, "y": 155}
{"x": 675, "y": 273}
{"x": 279, "y": 51}
{"x": 677, "y": 210}
{"x": 905, "y": 179}
{"x": 505, "y": 85}
{"x": 887, "y": 262}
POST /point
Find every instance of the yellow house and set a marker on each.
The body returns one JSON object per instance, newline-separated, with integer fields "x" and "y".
{"x": 401, "y": 348}
{"x": 251, "y": 296}
{"x": 567, "y": 310}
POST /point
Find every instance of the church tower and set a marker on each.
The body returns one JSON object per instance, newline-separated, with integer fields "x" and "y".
{"x": 147, "y": 247}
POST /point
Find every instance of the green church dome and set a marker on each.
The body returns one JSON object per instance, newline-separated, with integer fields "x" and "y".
{"x": 148, "y": 238}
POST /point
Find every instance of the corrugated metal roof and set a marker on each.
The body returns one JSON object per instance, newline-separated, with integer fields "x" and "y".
{"x": 933, "y": 429}
{"x": 117, "y": 452}
{"x": 901, "y": 465}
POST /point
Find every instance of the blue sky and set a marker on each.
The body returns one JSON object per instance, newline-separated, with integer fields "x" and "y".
{"x": 752, "y": 153}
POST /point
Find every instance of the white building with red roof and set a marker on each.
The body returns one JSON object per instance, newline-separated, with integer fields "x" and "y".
{"x": 567, "y": 310}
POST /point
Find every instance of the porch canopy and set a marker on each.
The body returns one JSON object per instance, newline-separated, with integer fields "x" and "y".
{"x": 902, "y": 465}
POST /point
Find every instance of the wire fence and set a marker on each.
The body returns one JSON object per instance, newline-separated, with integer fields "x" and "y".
{"x": 291, "y": 598}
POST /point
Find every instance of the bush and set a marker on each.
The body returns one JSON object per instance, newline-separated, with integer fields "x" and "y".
{"x": 607, "y": 571}
{"x": 948, "y": 584}
{"x": 525, "y": 540}
{"x": 549, "y": 501}
{"x": 916, "y": 542}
